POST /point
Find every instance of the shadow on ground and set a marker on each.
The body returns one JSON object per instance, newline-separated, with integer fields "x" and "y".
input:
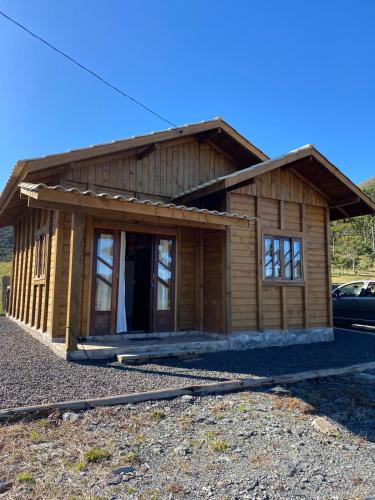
{"x": 349, "y": 401}
{"x": 348, "y": 348}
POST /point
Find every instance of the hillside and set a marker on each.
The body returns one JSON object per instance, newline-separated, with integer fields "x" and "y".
{"x": 6, "y": 244}
{"x": 353, "y": 242}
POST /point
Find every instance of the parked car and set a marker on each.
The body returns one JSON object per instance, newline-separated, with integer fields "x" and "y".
{"x": 354, "y": 303}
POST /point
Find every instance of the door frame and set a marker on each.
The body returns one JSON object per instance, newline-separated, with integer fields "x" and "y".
{"x": 115, "y": 228}
{"x": 174, "y": 281}
{"x": 115, "y": 275}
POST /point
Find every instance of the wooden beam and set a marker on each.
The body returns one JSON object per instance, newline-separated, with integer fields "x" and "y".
{"x": 208, "y": 136}
{"x": 75, "y": 281}
{"x": 56, "y": 295}
{"x": 259, "y": 260}
{"x": 228, "y": 271}
{"x": 77, "y": 202}
{"x": 284, "y": 308}
{"x": 47, "y": 270}
{"x": 147, "y": 151}
{"x": 125, "y": 218}
{"x": 304, "y": 269}
{"x": 329, "y": 278}
{"x": 199, "y": 307}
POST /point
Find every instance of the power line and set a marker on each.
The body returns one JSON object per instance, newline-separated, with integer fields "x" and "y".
{"x": 92, "y": 73}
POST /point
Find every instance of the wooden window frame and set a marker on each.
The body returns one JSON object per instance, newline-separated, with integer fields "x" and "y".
{"x": 40, "y": 260}
{"x": 282, "y": 278}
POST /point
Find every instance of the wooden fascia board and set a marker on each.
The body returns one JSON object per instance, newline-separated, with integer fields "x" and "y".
{"x": 244, "y": 142}
{"x": 141, "y": 141}
{"x": 122, "y": 217}
{"x": 84, "y": 201}
{"x": 342, "y": 177}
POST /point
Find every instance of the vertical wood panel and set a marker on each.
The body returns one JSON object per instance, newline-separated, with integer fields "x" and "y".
{"x": 75, "y": 281}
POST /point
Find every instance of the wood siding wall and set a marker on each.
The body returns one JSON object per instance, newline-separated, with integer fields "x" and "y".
{"x": 169, "y": 170}
{"x": 213, "y": 281}
{"x": 31, "y": 299}
{"x": 284, "y": 205}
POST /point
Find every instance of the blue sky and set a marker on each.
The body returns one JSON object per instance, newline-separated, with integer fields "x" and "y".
{"x": 283, "y": 73}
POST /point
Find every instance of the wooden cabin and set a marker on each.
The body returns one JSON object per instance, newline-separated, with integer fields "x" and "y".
{"x": 192, "y": 229}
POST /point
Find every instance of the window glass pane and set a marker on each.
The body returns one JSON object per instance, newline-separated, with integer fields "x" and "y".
{"x": 103, "y": 270}
{"x": 370, "y": 292}
{"x": 164, "y": 273}
{"x": 164, "y": 300}
{"x": 351, "y": 290}
{"x": 268, "y": 258}
{"x": 40, "y": 256}
{"x": 105, "y": 248}
{"x": 287, "y": 259}
{"x": 276, "y": 258}
{"x": 103, "y": 296}
{"x": 297, "y": 261}
{"x": 165, "y": 252}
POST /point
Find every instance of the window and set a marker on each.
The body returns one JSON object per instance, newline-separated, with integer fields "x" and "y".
{"x": 351, "y": 290}
{"x": 370, "y": 292}
{"x": 40, "y": 256}
{"x": 104, "y": 272}
{"x": 282, "y": 259}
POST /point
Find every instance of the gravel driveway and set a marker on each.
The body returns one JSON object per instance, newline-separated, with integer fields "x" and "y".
{"x": 31, "y": 374}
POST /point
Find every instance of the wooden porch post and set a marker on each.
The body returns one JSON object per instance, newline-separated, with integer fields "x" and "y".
{"x": 75, "y": 281}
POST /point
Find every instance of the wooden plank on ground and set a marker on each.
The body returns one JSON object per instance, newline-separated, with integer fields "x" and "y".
{"x": 193, "y": 390}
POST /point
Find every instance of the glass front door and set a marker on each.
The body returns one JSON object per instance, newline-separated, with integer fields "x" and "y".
{"x": 163, "y": 284}
{"x": 149, "y": 280}
{"x": 105, "y": 282}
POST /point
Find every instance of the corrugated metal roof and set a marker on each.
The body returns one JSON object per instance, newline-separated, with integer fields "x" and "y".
{"x": 35, "y": 188}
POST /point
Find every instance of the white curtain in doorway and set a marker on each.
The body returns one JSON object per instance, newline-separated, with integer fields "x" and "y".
{"x": 121, "y": 325}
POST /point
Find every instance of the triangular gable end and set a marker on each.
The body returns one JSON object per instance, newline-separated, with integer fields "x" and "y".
{"x": 344, "y": 198}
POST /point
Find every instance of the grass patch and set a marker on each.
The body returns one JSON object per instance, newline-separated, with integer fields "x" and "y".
{"x": 96, "y": 455}
{"x": 25, "y": 477}
{"x": 131, "y": 458}
{"x": 292, "y": 404}
{"x": 158, "y": 415}
{"x": 35, "y": 437}
{"x": 219, "y": 445}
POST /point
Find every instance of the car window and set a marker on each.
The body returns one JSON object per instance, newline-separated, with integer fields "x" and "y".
{"x": 351, "y": 290}
{"x": 370, "y": 292}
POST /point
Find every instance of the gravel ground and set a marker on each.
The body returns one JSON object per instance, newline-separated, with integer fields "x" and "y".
{"x": 32, "y": 374}
{"x": 312, "y": 440}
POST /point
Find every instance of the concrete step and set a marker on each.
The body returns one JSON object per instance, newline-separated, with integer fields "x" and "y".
{"x": 171, "y": 350}
{"x": 159, "y": 347}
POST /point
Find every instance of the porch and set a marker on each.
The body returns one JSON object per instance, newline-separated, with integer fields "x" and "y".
{"x": 180, "y": 303}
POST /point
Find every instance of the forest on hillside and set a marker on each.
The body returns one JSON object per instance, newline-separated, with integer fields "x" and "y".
{"x": 6, "y": 244}
{"x": 353, "y": 241}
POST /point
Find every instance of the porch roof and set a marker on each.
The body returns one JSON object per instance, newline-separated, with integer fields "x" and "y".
{"x": 60, "y": 197}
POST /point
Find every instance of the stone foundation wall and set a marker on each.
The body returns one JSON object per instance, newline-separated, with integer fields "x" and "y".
{"x": 270, "y": 338}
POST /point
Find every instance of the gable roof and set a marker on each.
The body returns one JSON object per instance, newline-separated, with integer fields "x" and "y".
{"x": 216, "y": 130}
{"x": 344, "y": 197}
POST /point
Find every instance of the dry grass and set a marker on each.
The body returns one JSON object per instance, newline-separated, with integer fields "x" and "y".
{"x": 291, "y": 404}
